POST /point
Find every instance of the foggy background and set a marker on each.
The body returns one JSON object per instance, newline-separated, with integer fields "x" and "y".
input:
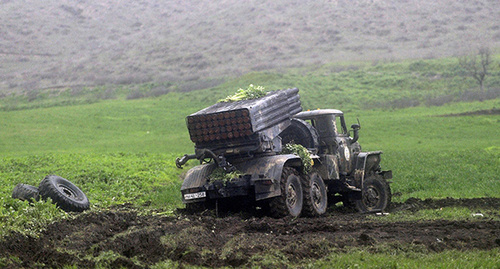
{"x": 62, "y": 43}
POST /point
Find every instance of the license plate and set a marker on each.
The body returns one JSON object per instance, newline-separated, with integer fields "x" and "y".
{"x": 196, "y": 195}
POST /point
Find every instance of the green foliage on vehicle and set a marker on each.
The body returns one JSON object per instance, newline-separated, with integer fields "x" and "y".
{"x": 252, "y": 92}
{"x": 303, "y": 153}
{"x": 220, "y": 174}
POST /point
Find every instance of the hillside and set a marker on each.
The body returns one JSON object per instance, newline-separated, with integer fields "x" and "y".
{"x": 61, "y": 44}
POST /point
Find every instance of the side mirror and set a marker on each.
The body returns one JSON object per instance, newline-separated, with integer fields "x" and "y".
{"x": 355, "y": 128}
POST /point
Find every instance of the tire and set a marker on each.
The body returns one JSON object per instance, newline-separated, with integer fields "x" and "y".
{"x": 302, "y": 133}
{"x": 64, "y": 194}
{"x": 290, "y": 202}
{"x": 315, "y": 195}
{"x": 25, "y": 192}
{"x": 376, "y": 195}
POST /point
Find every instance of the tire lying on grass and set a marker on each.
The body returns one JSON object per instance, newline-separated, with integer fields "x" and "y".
{"x": 63, "y": 193}
{"x": 26, "y": 192}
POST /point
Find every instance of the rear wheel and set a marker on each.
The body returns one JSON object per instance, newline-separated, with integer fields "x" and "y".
{"x": 315, "y": 195}
{"x": 376, "y": 195}
{"x": 290, "y": 202}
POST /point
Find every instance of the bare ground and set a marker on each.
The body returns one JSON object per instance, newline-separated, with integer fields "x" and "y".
{"x": 493, "y": 111}
{"x": 138, "y": 240}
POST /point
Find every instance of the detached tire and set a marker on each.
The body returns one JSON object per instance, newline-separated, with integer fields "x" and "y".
{"x": 290, "y": 202}
{"x": 25, "y": 192}
{"x": 64, "y": 194}
{"x": 376, "y": 195}
{"x": 315, "y": 195}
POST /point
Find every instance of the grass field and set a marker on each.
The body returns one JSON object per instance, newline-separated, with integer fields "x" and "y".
{"x": 437, "y": 137}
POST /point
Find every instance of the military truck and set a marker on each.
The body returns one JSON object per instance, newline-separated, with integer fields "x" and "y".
{"x": 243, "y": 141}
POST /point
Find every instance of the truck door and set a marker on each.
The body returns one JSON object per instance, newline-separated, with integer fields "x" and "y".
{"x": 344, "y": 151}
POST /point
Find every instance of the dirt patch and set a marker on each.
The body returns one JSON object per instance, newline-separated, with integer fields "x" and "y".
{"x": 122, "y": 237}
{"x": 493, "y": 111}
{"x": 415, "y": 204}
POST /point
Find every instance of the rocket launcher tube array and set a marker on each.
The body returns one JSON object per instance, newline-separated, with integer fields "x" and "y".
{"x": 241, "y": 119}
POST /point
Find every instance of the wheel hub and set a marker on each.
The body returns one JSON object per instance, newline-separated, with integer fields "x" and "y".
{"x": 372, "y": 197}
{"x": 67, "y": 191}
{"x": 316, "y": 194}
{"x": 291, "y": 195}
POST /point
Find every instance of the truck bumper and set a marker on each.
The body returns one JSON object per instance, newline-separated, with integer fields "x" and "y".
{"x": 246, "y": 187}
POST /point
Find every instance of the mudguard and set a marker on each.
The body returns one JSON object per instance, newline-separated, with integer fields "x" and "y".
{"x": 197, "y": 176}
{"x": 268, "y": 166}
{"x": 367, "y": 162}
{"x": 266, "y": 172}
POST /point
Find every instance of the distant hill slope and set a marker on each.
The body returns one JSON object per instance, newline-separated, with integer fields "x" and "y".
{"x": 92, "y": 42}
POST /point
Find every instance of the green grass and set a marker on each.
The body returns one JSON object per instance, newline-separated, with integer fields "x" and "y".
{"x": 27, "y": 218}
{"x": 385, "y": 256}
{"x": 107, "y": 179}
{"x": 399, "y": 257}
{"x": 111, "y": 126}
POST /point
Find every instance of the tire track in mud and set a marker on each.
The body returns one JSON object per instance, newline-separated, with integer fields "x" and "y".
{"x": 237, "y": 240}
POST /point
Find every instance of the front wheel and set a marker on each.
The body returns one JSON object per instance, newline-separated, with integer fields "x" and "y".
{"x": 376, "y": 195}
{"x": 290, "y": 202}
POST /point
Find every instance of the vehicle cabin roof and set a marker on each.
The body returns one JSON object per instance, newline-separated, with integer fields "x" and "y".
{"x": 318, "y": 112}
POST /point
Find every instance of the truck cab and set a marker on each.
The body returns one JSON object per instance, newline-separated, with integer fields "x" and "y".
{"x": 341, "y": 163}
{"x": 333, "y": 136}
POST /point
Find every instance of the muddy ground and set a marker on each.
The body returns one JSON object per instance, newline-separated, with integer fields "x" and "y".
{"x": 122, "y": 237}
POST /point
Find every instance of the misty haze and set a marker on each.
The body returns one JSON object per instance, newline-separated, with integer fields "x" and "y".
{"x": 46, "y": 44}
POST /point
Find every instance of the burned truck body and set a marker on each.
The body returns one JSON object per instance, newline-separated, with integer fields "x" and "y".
{"x": 245, "y": 139}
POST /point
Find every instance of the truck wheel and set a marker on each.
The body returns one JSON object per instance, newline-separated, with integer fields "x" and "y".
{"x": 376, "y": 195}
{"x": 25, "y": 192}
{"x": 315, "y": 195}
{"x": 63, "y": 193}
{"x": 290, "y": 202}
